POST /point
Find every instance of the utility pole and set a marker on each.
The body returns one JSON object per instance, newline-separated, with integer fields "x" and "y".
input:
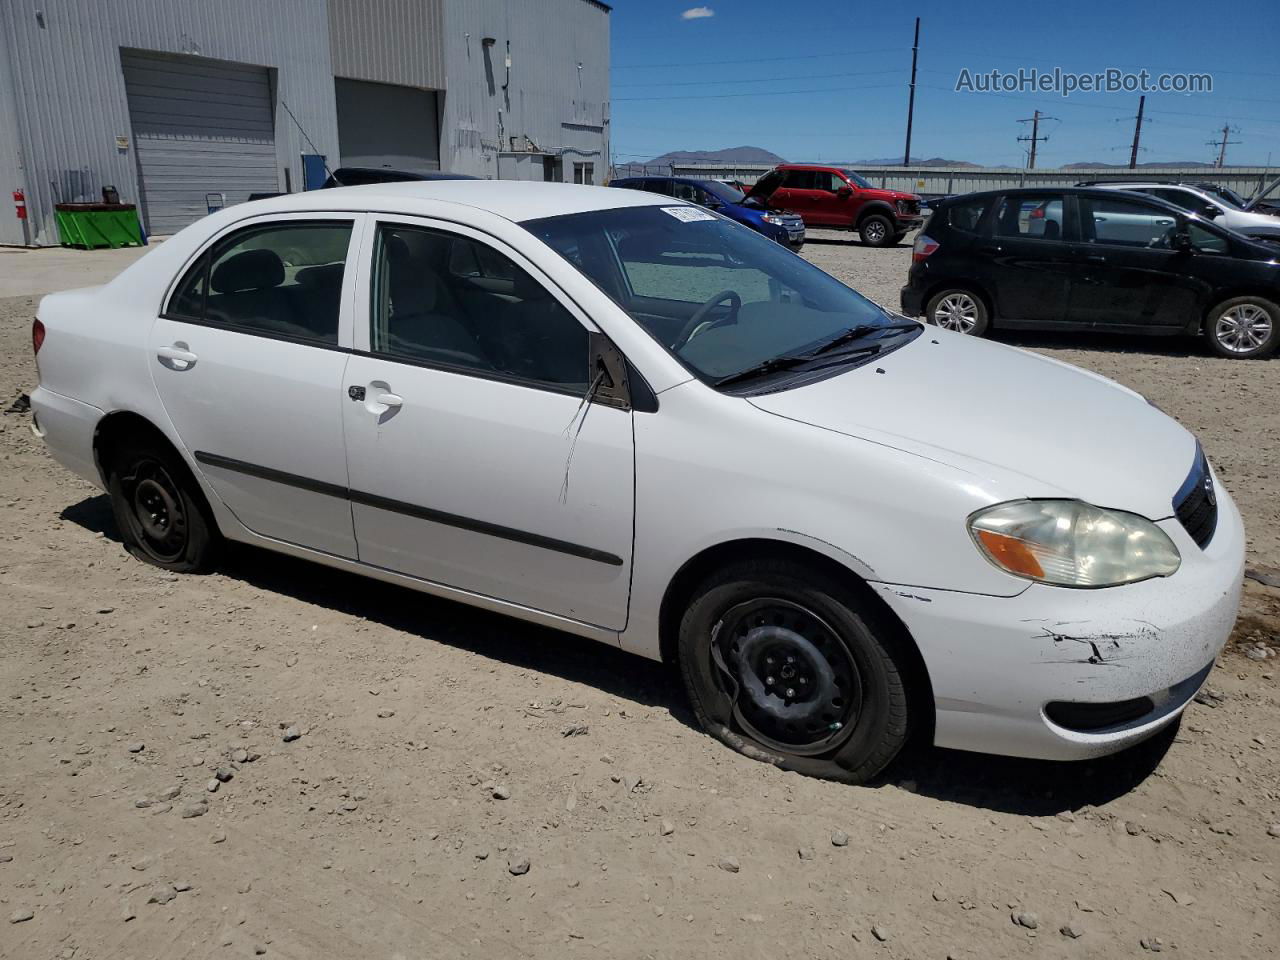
{"x": 1222, "y": 144}
{"x": 1137, "y": 132}
{"x": 1035, "y": 135}
{"x": 911, "y": 99}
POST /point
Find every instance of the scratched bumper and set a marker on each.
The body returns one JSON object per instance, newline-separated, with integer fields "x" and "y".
{"x": 996, "y": 662}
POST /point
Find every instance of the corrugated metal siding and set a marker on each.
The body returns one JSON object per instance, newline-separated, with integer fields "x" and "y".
{"x": 11, "y": 174}
{"x": 560, "y": 107}
{"x": 66, "y": 78}
{"x": 199, "y": 126}
{"x": 389, "y": 41}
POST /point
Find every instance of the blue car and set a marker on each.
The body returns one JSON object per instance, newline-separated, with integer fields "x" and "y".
{"x": 784, "y": 227}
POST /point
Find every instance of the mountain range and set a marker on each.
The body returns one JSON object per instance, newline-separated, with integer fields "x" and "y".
{"x": 758, "y": 156}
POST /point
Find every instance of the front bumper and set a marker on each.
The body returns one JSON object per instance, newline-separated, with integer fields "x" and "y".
{"x": 905, "y": 222}
{"x": 997, "y": 663}
{"x": 789, "y": 235}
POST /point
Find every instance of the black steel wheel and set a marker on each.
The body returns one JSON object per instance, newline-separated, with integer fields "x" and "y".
{"x": 790, "y": 665}
{"x": 797, "y": 687}
{"x": 159, "y": 509}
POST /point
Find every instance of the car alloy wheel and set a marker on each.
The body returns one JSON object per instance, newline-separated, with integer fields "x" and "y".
{"x": 1243, "y": 328}
{"x": 793, "y": 683}
{"x": 956, "y": 311}
{"x": 874, "y": 232}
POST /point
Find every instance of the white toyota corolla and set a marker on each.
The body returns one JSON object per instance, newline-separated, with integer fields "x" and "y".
{"x": 634, "y": 420}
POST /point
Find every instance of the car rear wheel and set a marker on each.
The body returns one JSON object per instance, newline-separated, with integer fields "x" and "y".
{"x": 876, "y": 231}
{"x": 785, "y": 664}
{"x": 1243, "y": 328}
{"x": 960, "y": 310}
{"x": 159, "y": 508}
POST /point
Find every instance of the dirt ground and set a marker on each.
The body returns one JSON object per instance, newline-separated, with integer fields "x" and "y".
{"x": 463, "y": 785}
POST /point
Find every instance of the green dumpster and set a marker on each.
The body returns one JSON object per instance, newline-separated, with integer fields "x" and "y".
{"x": 90, "y": 225}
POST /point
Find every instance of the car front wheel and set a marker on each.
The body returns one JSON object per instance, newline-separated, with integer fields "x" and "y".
{"x": 876, "y": 231}
{"x": 1243, "y": 328}
{"x": 787, "y": 665}
{"x": 159, "y": 508}
{"x": 960, "y": 310}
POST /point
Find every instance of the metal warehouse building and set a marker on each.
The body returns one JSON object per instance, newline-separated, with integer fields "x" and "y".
{"x": 183, "y": 104}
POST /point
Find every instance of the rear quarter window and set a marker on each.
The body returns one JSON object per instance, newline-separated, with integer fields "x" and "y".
{"x": 966, "y": 217}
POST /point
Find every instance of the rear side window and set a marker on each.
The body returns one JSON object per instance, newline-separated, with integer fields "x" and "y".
{"x": 278, "y": 280}
{"x": 966, "y": 216}
{"x": 1127, "y": 223}
{"x": 799, "y": 180}
{"x": 1036, "y": 217}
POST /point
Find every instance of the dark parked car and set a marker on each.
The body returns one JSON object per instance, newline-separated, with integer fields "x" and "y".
{"x": 1091, "y": 259}
{"x": 781, "y": 225}
{"x": 360, "y": 176}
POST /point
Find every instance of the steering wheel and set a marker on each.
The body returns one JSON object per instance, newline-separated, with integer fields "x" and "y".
{"x": 689, "y": 329}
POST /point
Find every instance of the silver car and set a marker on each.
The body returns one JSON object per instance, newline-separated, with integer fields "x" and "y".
{"x": 1211, "y": 206}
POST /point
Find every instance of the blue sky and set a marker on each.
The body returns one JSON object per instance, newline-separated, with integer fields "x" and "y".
{"x": 700, "y": 82}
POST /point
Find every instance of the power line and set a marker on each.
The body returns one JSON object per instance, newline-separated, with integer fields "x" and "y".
{"x": 798, "y": 76}
{"x": 774, "y": 93}
{"x": 716, "y": 63}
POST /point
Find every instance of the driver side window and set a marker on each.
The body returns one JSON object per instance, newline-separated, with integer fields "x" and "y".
{"x": 445, "y": 300}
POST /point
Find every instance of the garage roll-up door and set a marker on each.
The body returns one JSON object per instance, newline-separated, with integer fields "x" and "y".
{"x": 199, "y": 126}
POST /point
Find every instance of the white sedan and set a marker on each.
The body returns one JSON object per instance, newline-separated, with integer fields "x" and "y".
{"x": 631, "y": 419}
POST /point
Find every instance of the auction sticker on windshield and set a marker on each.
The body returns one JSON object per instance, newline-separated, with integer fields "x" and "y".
{"x": 688, "y": 214}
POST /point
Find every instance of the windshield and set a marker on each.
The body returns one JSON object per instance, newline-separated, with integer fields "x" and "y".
{"x": 857, "y": 180}
{"x": 723, "y": 299}
{"x": 724, "y": 191}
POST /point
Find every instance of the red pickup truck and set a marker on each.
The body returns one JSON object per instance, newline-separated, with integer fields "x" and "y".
{"x": 835, "y": 198}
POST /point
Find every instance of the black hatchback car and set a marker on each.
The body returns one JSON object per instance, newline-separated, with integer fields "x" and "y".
{"x": 1081, "y": 259}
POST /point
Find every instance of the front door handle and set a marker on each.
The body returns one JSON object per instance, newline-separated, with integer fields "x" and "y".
{"x": 380, "y": 401}
{"x": 1095, "y": 258}
{"x": 177, "y": 357}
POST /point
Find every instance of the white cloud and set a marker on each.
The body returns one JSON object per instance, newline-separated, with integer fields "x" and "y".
{"x": 697, "y": 13}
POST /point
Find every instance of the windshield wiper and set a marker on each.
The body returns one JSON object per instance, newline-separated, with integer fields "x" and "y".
{"x": 772, "y": 365}
{"x": 789, "y": 361}
{"x": 857, "y": 333}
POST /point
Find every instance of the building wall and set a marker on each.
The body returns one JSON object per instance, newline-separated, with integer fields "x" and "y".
{"x": 546, "y": 102}
{"x": 389, "y": 41}
{"x": 11, "y": 177}
{"x": 65, "y": 78}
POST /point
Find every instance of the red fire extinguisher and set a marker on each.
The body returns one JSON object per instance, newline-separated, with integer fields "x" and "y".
{"x": 20, "y": 204}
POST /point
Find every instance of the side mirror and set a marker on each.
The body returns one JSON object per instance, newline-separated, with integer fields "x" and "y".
{"x": 609, "y": 364}
{"x": 1182, "y": 241}
{"x": 845, "y": 191}
{"x": 1210, "y": 212}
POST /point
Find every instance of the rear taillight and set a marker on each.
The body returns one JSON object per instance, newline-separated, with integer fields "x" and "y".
{"x": 924, "y": 246}
{"x": 37, "y": 335}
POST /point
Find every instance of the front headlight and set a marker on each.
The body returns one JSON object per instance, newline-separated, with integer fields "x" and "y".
{"x": 775, "y": 220}
{"x": 1072, "y": 544}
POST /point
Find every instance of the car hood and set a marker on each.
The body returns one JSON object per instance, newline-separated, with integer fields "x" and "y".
{"x": 1021, "y": 425}
{"x": 878, "y": 194}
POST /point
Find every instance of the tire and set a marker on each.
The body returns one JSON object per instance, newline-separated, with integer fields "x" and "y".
{"x": 1243, "y": 328}
{"x": 844, "y": 715}
{"x": 161, "y": 513}
{"x": 958, "y": 309}
{"x": 876, "y": 230}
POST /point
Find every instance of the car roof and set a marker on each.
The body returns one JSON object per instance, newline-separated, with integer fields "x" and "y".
{"x": 513, "y": 200}
{"x": 807, "y": 166}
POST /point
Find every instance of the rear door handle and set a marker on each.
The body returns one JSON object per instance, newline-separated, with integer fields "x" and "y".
{"x": 177, "y": 357}
{"x": 1095, "y": 258}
